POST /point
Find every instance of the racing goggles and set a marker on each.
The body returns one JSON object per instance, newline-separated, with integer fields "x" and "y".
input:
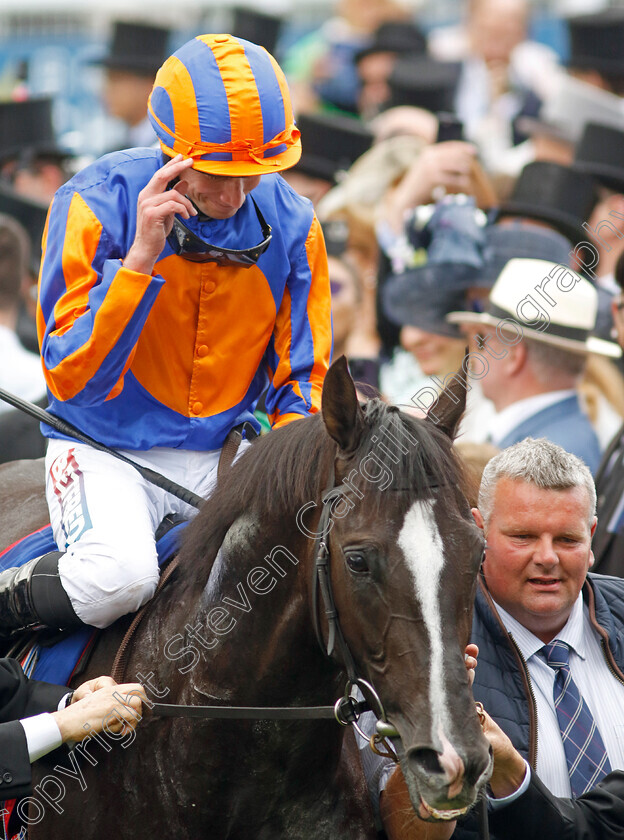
{"x": 187, "y": 244}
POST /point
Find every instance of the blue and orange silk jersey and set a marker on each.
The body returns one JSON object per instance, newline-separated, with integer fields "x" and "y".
{"x": 179, "y": 357}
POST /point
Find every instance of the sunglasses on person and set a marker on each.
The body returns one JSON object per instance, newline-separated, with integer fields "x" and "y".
{"x": 187, "y": 244}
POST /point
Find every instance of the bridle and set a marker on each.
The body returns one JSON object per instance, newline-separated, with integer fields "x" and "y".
{"x": 347, "y": 709}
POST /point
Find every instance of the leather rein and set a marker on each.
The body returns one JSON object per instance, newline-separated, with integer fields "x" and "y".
{"x": 347, "y": 709}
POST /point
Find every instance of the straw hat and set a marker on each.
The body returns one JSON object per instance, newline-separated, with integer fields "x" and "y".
{"x": 520, "y": 301}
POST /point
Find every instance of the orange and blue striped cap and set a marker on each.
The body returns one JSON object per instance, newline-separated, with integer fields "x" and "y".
{"x": 225, "y": 102}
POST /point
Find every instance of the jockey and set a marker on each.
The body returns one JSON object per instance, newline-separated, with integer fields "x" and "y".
{"x": 177, "y": 285}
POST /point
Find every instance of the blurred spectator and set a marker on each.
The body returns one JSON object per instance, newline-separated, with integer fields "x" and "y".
{"x": 597, "y": 49}
{"x": 320, "y": 67}
{"x": 555, "y": 195}
{"x": 404, "y": 119}
{"x": 20, "y": 371}
{"x": 357, "y": 200}
{"x": 258, "y": 27}
{"x": 600, "y": 153}
{"x": 375, "y": 63}
{"x": 560, "y": 122}
{"x": 504, "y": 76}
{"x": 32, "y": 167}
{"x": 31, "y": 215}
{"x": 31, "y": 161}
{"x": 564, "y": 199}
{"x": 536, "y": 348}
{"x": 331, "y": 143}
{"x": 136, "y": 52}
{"x": 608, "y": 543}
{"x": 474, "y": 457}
{"x": 353, "y": 314}
{"x": 537, "y": 227}
{"x": 448, "y": 239}
{"x": 447, "y": 167}
{"x": 506, "y": 239}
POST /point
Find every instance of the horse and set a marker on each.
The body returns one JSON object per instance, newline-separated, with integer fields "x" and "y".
{"x": 363, "y": 502}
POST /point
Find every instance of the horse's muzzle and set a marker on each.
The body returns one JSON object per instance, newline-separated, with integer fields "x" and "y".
{"x": 446, "y": 784}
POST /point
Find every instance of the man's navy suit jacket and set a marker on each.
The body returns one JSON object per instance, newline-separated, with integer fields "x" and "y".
{"x": 564, "y": 423}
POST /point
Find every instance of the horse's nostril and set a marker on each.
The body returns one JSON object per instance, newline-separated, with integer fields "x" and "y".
{"x": 424, "y": 760}
{"x": 478, "y": 766}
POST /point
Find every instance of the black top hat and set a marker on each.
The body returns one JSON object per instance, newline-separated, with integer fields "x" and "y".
{"x": 401, "y": 37}
{"x": 597, "y": 41}
{"x": 330, "y": 143}
{"x": 600, "y": 152}
{"x": 258, "y": 27}
{"x": 555, "y": 194}
{"x": 26, "y": 128}
{"x": 336, "y": 236}
{"x": 31, "y": 214}
{"x": 424, "y": 82}
{"x": 517, "y": 238}
{"x": 139, "y": 48}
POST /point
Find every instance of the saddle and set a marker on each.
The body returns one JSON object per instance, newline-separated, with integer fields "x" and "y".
{"x": 59, "y": 656}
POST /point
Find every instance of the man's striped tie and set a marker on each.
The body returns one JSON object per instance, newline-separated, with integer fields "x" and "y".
{"x": 584, "y": 749}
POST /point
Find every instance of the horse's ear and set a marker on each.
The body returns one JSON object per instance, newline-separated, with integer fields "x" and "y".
{"x": 449, "y": 408}
{"x": 341, "y": 411}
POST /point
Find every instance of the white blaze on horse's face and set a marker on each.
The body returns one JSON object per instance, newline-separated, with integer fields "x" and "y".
{"x": 420, "y": 541}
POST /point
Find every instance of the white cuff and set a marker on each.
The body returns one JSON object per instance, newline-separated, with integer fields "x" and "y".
{"x": 42, "y": 735}
{"x": 495, "y": 804}
{"x": 64, "y": 701}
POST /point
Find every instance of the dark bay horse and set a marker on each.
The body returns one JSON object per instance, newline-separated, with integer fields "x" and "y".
{"x": 234, "y": 625}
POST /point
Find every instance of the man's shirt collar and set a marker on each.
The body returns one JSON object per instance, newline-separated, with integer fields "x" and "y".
{"x": 571, "y": 633}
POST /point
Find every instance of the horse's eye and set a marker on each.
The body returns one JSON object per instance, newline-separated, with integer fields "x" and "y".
{"x": 356, "y": 561}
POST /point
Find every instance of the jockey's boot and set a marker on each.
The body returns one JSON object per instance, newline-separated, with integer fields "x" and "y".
{"x": 33, "y": 595}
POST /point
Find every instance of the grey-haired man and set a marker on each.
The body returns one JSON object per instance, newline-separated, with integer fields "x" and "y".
{"x": 536, "y": 508}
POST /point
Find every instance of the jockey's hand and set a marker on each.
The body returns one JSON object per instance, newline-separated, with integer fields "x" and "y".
{"x": 115, "y": 708}
{"x": 156, "y": 207}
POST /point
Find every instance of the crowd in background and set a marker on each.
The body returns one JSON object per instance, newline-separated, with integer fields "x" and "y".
{"x": 469, "y": 180}
{"x": 432, "y": 154}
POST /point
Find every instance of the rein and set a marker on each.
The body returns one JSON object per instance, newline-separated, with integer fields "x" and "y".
{"x": 346, "y": 710}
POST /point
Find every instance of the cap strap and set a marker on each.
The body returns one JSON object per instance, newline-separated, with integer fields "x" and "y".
{"x": 200, "y": 148}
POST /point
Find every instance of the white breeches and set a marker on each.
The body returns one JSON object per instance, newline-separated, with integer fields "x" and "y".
{"x": 104, "y": 515}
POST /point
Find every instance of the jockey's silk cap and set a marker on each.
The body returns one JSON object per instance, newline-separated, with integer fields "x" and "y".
{"x": 225, "y": 102}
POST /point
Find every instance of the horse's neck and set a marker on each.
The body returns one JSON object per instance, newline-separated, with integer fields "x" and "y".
{"x": 252, "y": 618}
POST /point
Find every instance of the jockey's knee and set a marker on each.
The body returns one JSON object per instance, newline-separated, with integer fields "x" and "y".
{"x": 104, "y": 585}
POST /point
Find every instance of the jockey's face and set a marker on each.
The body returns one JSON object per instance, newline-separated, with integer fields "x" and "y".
{"x": 218, "y": 196}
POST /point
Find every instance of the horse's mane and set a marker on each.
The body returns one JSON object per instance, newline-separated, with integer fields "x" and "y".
{"x": 286, "y": 469}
